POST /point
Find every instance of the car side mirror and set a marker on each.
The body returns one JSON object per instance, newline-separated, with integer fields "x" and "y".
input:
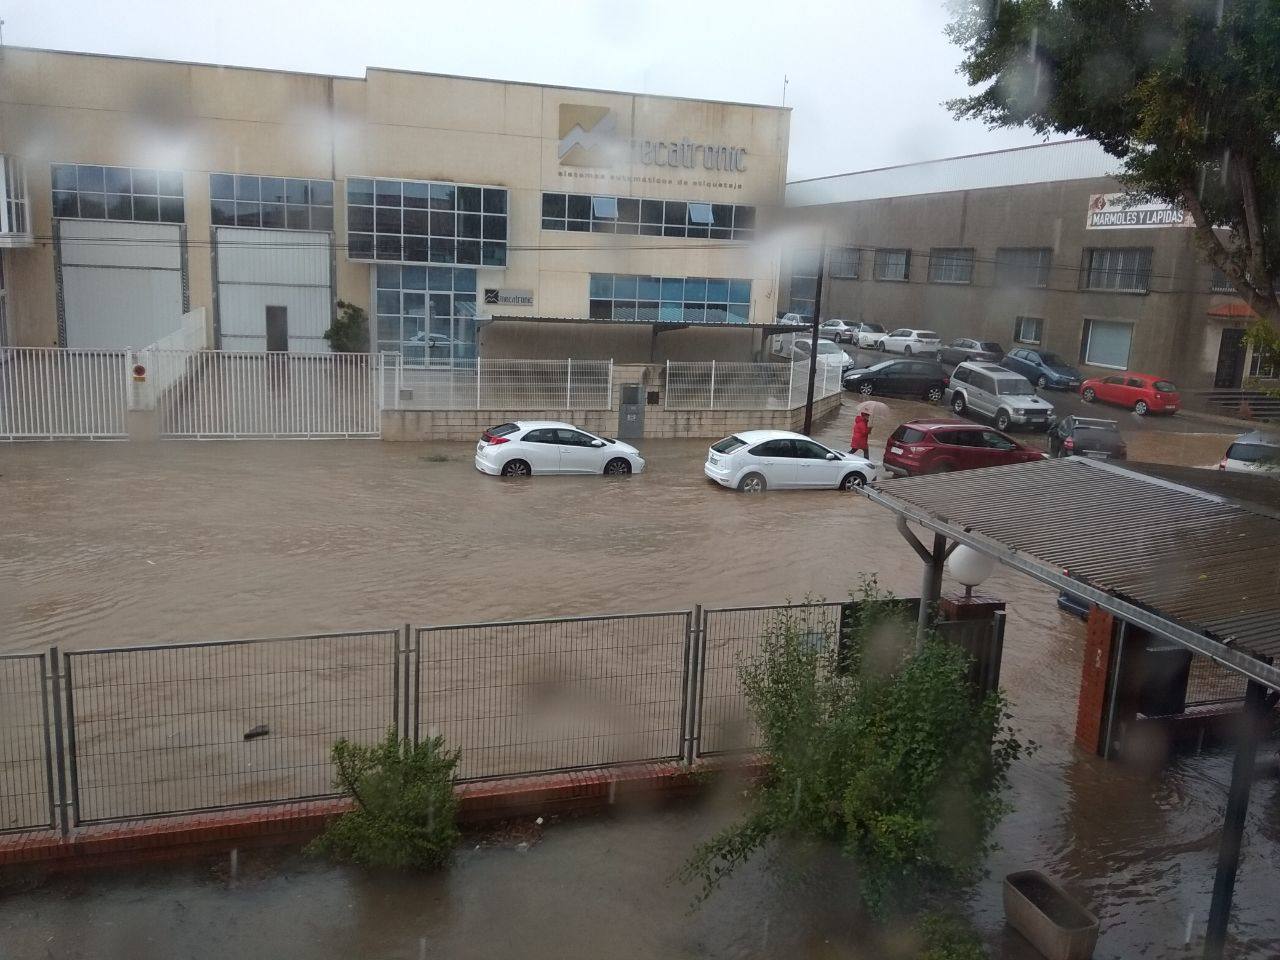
{"x": 832, "y": 456}
{"x": 597, "y": 443}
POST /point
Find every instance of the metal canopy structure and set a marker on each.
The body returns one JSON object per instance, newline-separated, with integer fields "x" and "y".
{"x": 1198, "y": 568}
{"x": 660, "y": 325}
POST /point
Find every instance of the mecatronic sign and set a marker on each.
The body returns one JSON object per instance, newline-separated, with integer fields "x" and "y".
{"x": 589, "y": 138}
{"x": 1123, "y": 211}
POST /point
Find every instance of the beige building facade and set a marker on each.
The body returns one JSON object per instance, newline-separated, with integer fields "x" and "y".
{"x": 432, "y": 202}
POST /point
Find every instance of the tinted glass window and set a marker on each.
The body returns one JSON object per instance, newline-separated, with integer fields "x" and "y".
{"x": 1053, "y": 360}
{"x": 995, "y": 441}
{"x": 1010, "y": 387}
{"x": 808, "y": 450}
{"x": 1254, "y": 453}
{"x": 573, "y": 438}
{"x": 773, "y": 448}
{"x": 540, "y": 436}
{"x": 961, "y": 374}
{"x": 728, "y": 445}
{"x": 1114, "y": 381}
{"x": 502, "y": 430}
{"x": 1135, "y": 382}
{"x": 873, "y": 328}
{"x": 982, "y": 382}
{"x": 960, "y": 438}
{"x": 927, "y": 335}
{"x": 1164, "y": 386}
{"x": 991, "y": 346}
{"x": 906, "y": 434}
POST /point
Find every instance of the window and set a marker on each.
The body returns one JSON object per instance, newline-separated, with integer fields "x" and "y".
{"x": 994, "y": 441}
{"x": 1254, "y": 453}
{"x": 728, "y": 445}
{"x": 87, "y": 192}
{"x": 238, "y": 200}
{"x": 426, "y": 314}
{"x": 617, "y": 296}
{"x": 844, "y": 262}
{"x": 1023, "y": 266}
{"x": 1106, "y": 343}
{"x": 808, "y": 450}
{"x": 572, "y": 438}
{"x": 1123, "y": 269}
{"x": 1221, "y": 283}
{"x": 14, "y": 216}
{"x": 1028, "y": 330}
{"x": 774, "y": 448}
{"x": 591, "y": 213}
{"x": 1015, "y": 387}
{"x": 419, "y": 221}
{"x": 541, "y": 436}
{"x": 951, "y": 265}
{"x": 908, "y": 435}
{"x": 961, "y": 374}
{"x": 804, "y": 280}
{"x": 1264, "y": 365}
{"x": 892, "y": 264}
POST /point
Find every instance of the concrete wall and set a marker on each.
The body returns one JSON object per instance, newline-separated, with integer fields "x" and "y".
{"x": 58, "y": 107}
{"x": 1172, "y": 334}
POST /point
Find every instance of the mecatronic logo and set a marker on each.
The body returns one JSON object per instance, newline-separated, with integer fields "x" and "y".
{"x": 587, "y": 135}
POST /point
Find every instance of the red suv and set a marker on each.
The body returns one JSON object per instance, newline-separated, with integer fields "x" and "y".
{"x": 940, "y": 446}
{"x": 1140, "y": 392}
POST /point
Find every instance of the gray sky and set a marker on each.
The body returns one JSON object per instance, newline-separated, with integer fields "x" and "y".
{"x": 866, "y": 79}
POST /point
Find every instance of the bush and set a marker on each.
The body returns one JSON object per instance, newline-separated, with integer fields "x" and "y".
{"x": 349, "y": 332}
{"x": 946, "y": 936}
{"x": 406, "y": 811}
{"x": 880, "y": 750}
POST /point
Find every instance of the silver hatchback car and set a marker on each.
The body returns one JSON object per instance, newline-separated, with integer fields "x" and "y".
{"x": 1001, "y": 395}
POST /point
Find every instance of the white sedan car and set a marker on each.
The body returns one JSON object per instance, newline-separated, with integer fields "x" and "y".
{"x": 869, "y": 335}
{"x": 527, "y": 447}
{"x": 756, "y": 460}
{"x": 828, "y": 352}
{"x": 910, "y": 341}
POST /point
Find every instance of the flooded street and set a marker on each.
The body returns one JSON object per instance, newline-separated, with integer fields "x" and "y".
{"x": 111, "y": 544}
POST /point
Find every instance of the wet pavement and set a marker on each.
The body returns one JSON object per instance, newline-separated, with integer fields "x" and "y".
{"x": 108, "y": 544}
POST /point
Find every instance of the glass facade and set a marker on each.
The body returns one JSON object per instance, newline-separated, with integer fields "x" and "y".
{"x": 428, "y": 314}
{"x": 590, "y": 213}
{"x": 86, "y": 192}
{"x": 418, "y": 221}
{"x": 617, "y": 296}
{"x": 238, "y": 200}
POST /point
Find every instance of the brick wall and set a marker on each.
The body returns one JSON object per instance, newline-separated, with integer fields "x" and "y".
{"x": 1092, "y": 704}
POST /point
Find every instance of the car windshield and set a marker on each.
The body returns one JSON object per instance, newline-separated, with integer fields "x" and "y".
{"x": 1165, "y": 386}
{"x": 502, "y": 430}
{"x": 728, "y": 445}
{"x": 883, "y": 365}
{"x": 991, "y": 346}
{"x": 927, "y": 335}
{"x": 1052, "y": 360}
{"x": 1014, "y": 387}
{"x": 826, "y": 346}
{"x": 1254, "y": 453}
{"x": 906, "y": 434}
{"x": 1099, "y": 426}
{"x": 872, "y": 328}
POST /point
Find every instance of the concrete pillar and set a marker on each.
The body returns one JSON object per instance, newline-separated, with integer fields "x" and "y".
{"x": 1091, "y": 706}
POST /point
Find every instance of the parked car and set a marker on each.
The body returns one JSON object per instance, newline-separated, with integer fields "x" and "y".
{"x": 828, "y": 352}
{"x": 1255, "y": 452}
{"x": 869, "y": 335}
{"x": 940, "y": 446}
{"x": 838, "y": 330}
{"x": 794, "y": 319}
{"x": 1002, "y": 395}
{"x": 525, "y": 447}
{"x": 898, "y": 378}
{"x": 910, "y": 341}
{"x": 1140, "y": 392}
{"x": 757, "y": 460}
{"x": 1042, "y": 368}
{"x": 962, "y": 349}
{"x": 1086, "y": 437}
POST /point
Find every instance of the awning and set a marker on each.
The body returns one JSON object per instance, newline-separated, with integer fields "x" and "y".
{"x": 660, "y": 325}
{"x": 1234, "y": 310}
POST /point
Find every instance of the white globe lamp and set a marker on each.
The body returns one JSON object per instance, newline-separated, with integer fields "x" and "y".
{"x": 970, "y": 567}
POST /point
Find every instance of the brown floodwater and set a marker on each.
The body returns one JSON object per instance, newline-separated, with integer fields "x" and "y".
{"x": 111, "y": 544}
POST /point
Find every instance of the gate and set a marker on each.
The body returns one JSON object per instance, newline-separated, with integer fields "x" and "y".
{"x": 48, "y": 393}
{"x": 26, "y": 762}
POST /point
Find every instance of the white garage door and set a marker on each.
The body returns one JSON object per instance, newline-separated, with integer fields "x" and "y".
{"x": 281, "y": 273}
{"x": 121, "y": 282}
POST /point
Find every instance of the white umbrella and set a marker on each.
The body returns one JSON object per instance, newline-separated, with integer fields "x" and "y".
{"x": 874, "y": 408}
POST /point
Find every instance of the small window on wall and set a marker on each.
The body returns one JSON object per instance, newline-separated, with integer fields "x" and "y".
{"x": 1106, "y": 343}
{"x": 1121, "y": 269}
{"x": 1221, "y": 283}
{"x": 1028, "y": 330}
{"x": 893, "y": 264}
{"x": 951, "y": 265}
{"x": 844, "y": 262}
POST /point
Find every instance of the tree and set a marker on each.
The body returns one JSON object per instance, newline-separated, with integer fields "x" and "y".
{"x": 880, "y": 750}
{"x": 349, "y": 332}
{"x": 1186, "y": 92}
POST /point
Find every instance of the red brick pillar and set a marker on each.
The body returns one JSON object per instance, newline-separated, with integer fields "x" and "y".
{"x": 1091, "y": 707}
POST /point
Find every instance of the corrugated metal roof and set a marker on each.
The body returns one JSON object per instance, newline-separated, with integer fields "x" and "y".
{"x": 1203, "y": 561}
{"x": 1044, "y": 163}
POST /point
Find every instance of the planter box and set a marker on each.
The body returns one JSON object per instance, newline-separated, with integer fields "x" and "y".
{"x": 1048, "y": 916}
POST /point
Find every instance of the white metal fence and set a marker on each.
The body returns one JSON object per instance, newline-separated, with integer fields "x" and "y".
{"x": 218, "y": 394}
{"x": 52, "y": 393}
{"x": 716, "y": 385}
{"x": 498, "y": 385}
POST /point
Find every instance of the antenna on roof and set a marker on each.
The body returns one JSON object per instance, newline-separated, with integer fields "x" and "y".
{"x": 785, "y": 81}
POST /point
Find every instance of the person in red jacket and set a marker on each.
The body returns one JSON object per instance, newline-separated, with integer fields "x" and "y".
{"x": 861, "y": 441}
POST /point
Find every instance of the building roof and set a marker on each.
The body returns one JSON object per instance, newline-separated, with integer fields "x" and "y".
{"x": 659, "y": 324}
{"x": 1196, "y": 567}
{"x": 1044, "y": 163}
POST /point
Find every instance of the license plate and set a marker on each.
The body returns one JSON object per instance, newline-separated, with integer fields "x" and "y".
{"x": 1096, "y": 454}
{"x": 713, "y": 460}
{"x": 895, "y": 450}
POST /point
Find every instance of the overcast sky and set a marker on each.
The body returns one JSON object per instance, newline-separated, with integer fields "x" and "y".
{"x": 867, "y": 80}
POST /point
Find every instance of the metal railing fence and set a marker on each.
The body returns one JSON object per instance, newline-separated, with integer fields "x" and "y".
{"x": 717, "y": 385}
{"x": 160, "y": 730}
{"x": 53, "y": 393}
{"x": 536, "y": 696}
{"x": 499, "y": 385}
{"x": 1211, "y": 684}
{"x": 26, "y": 760}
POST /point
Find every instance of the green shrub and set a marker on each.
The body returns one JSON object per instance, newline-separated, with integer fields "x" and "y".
{"x": 406, "y": 811}
{"x": 947, "y": 936}
{"x": 879, "y": 750}
{"x": 349, "y": 332}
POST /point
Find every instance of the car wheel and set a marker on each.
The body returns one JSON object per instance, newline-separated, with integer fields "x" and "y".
{"x": 958, "y": 404}
{"x": 1141, "y": 408}
{"x": 1002, "y": 420}
{"x": 883, "y": 347}
{"x": 1088, "y": 396}
{"x": 934, "y": 394}
{"x": 1042, "y": 381}
{"x": 852, "y": 481}
{"x": 753, "y": 483}
{"x": 906, "y": 351}
{"x": 866, "y": 389}
{"x": 617, "y": 467}
{"x": 516, "y": 468}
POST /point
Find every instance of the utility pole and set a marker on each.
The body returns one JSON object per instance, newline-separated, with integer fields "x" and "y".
{"x": 813, "y": 336}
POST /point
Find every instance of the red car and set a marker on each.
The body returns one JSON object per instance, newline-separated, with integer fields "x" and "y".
{"x": 1140, "y": 392}
{"x": 940, "y": 446}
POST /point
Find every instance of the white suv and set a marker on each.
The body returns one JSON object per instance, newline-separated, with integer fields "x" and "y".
{"x": 1006, "y": 397}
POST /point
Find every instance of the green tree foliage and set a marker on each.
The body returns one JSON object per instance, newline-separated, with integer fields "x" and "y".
{"x": 877, "y": 749}
{"x": 946, "y": 936}
{"x": 349, "y": 332}
{"x": 1187, "y": 92}
{"x": 406, "y": 811}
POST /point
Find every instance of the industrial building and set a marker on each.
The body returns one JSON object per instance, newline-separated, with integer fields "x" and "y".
{"x": 137, "y": 189}
{"x": 1034, "y": 246}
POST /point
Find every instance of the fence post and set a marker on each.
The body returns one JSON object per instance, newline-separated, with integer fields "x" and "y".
{"x": 666, "y": 387}
{"x": 410, "y": 735}
{"x": 56, "y": 677}
{"x": 791, "y": 386}
{"x": 713, "y": 385}
{"x": 608, "y": 390}
{"x": 568, "y": 384}
{"x": 689, "y": 686}
{"x": 478, "y": 362}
